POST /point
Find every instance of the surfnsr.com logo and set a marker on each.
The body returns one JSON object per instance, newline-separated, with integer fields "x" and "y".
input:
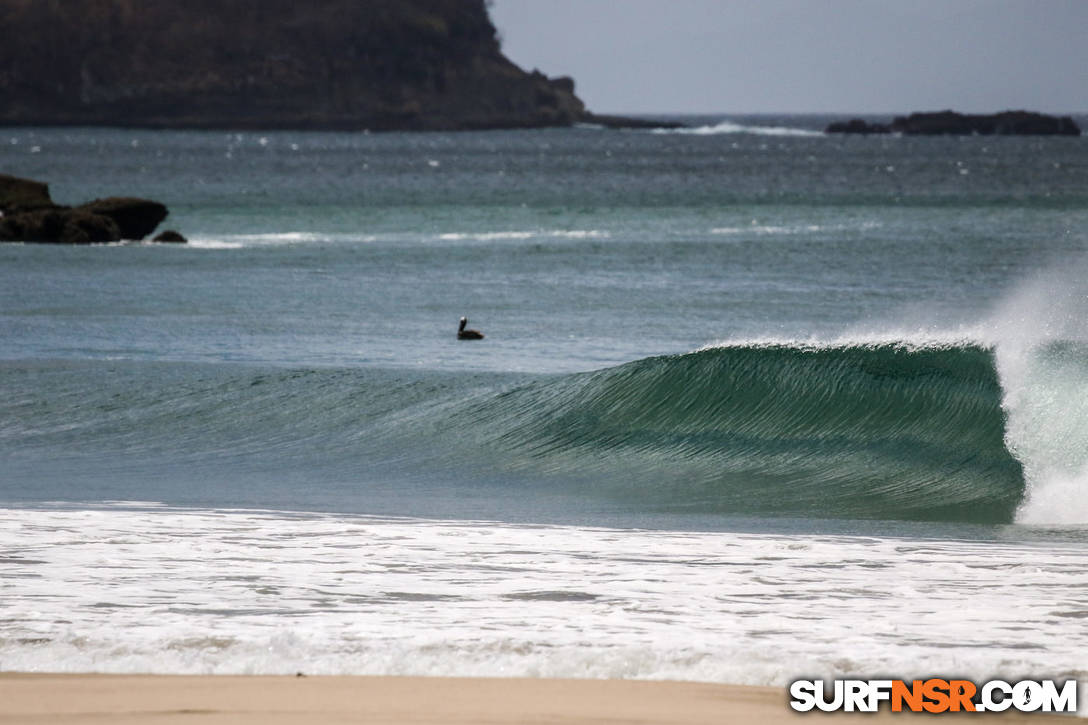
{"x": 934, "y": 695}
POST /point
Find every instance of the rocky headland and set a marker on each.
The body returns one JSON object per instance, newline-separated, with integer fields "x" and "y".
{"x": 29, "y": 214}
{"x": 1006, "y": 123}
{"x": 246, "y": 64}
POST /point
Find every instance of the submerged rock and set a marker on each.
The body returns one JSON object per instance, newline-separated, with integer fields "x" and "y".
{"x": 170, "y": 236}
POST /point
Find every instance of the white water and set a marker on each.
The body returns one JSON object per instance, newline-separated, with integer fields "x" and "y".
{"x": 519, "y": 235}
{"x": 196, "y": 591}
{"x": 732, "y": 127}
{"x": 1039, "y": 335}
{"x": 242, "y": 241}
{"x": 1041, "y": 340}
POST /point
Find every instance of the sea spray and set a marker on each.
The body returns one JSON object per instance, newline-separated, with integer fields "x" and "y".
{"x": 1041, "y": 334}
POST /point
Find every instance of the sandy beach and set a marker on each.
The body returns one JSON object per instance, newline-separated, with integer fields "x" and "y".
{"x": 86, "y": 699}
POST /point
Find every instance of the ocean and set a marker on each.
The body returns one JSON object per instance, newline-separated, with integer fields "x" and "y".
{"x": 754, "y": 403}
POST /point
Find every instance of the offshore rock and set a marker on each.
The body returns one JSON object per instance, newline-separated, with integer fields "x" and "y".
{"x": 136, "y": 218}
{"x": 323, "y": 64}
{"x": 28, "y": 214}
{"x": 1006, "y": 123}
{"x": 631, "y": 122}
{"x": 857, "y": 125}
{"x": 59, "y": 225}
{"x": 23, "y": 195}
{"x": 170, "y": 236}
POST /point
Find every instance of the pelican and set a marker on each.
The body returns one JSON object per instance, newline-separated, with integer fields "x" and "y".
{"x": 463, "y": 334}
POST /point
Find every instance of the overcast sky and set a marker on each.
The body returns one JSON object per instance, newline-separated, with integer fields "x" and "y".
{"x": 868, "y": 56}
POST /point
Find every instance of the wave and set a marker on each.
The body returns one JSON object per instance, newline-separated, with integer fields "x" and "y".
{"x": 851, "y": 430}
{"x": 726, "y": 127}
{"x": 869, "y": 431}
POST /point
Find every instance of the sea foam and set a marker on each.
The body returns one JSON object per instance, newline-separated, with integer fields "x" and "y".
{"x": 111, "y": 589}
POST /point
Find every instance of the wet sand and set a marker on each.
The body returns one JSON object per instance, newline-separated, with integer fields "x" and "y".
{"x": 276, "y": 700}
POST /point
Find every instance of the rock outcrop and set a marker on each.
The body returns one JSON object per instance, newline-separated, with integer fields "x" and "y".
{"x": 58, "y": 226}
{"x": 1007, "y": 123}
{"x": 322, "y": 64}
{"x": 28, "y": 214}
{"x": 19, "y": 195}
{"x": 857, "y": 125}
{"x": 135, "y": 218}
{"x": 613, "y": 121}
{"x": 170, "y": 236}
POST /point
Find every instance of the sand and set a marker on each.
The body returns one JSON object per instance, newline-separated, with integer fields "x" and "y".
{"x": 208, "y": 700}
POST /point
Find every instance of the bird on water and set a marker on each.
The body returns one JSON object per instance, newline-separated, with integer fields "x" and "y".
{"x": 463, "y": 334}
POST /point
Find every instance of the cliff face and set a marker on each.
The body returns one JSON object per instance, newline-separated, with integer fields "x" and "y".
{"x": 350, "y": 64}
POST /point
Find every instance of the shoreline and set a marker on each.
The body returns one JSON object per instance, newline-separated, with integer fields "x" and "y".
{"x": 81, "y": 699}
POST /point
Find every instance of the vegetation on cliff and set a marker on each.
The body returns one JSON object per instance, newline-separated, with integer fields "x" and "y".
{"x": 345, "y": 64}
